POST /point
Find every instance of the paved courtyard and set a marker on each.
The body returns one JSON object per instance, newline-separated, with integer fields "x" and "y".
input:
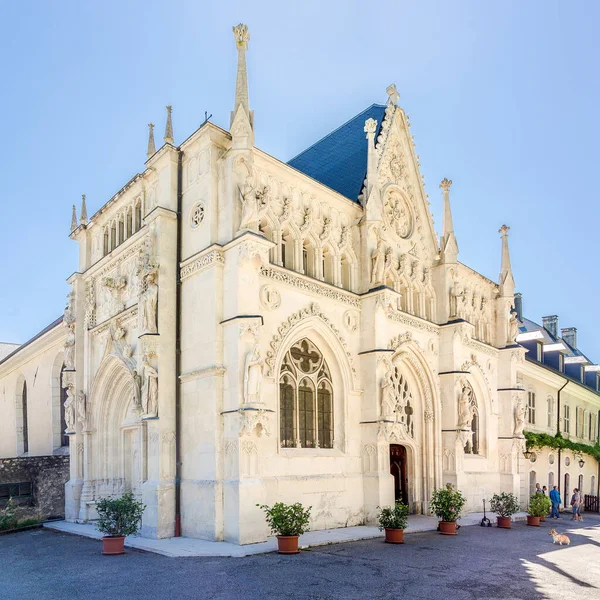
{"x": 479, "y": 563}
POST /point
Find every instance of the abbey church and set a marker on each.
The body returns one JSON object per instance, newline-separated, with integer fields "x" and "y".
{"x": 242, "y": 330}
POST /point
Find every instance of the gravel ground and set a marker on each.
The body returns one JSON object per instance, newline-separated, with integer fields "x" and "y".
{"x": 480, "y": 562}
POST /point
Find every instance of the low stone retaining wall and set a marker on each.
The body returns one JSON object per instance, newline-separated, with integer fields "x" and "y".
{"x": 42, "y": 490}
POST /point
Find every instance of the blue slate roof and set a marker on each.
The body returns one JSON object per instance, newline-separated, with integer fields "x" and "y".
{"x": 339, "y": 160}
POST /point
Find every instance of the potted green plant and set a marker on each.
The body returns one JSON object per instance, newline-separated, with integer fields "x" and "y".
{"x": 539, "y": 506}
{"x": 287, "y": 522}
{"x": 505, "y": 505}
{"x": 394, "y": 520}
{"x": 446, "y": 504}
{"x": 117, "y": 518}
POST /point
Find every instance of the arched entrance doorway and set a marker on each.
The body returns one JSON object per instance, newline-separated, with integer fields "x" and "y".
{"x": 398, "y": 469}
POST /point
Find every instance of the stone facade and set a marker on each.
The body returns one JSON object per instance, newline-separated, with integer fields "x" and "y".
{"x": 240, "y": 333}
{"x": 47, "y": 476}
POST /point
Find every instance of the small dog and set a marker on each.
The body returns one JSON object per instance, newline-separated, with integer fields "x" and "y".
{"x": 559, "y": 538}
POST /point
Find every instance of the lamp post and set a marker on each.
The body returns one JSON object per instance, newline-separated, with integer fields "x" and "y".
{"x": 581, "y": 463}
{"x": 527, "y": 454}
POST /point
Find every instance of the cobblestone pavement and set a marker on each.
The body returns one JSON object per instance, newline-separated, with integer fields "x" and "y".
{"x": 480, "y": 562}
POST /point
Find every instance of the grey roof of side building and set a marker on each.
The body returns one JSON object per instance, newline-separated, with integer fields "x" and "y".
{"x": 35, "y": 337}
{"x": 527, "y": 326}
{"x": 339, "y": 160}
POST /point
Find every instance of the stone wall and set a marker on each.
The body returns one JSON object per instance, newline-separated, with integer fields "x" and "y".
{"x": 48, "y": 474}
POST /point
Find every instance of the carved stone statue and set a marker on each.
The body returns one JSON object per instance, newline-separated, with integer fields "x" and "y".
{"x": 81, "y": 408}
{"x": 454, "y": 294}
{"x": 69, "y": 356}
{"x": 70, "y": 410}
{"x": 465, "y": 408}
{"x": 513, "y": 327}
{"x": 69, "y": 314}
{"x": 253, "y": 373}
{"x": 137, "y": 390}
{"x": 520, "y": 409}
{"x": 378, "y": 263}
{"x": 150, "y": 388}
{"x": 150, "y": 304}
{"x": 388, "y": 393}
{"x": 249, "y": 207}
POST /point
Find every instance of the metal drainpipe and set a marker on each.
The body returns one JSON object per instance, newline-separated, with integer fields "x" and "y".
{"x": 557, "y": 432}
{"x": 178, "y": 352}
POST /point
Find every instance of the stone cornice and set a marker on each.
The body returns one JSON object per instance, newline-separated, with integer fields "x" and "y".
{"x": 309, "y": 285}
{"x": 205, "y": 259}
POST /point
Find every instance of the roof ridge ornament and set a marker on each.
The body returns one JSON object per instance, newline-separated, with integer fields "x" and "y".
{"x": 448, "y": 243}
{"x": 169, "y": 128}
{"x": 393, "y": 95}
{"x": 151, "y": 146}
{"x": 507, "y": 282}
{"x": 242, "y": 37}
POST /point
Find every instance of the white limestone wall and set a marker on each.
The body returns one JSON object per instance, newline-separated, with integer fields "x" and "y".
{"x": 38, "y": 364}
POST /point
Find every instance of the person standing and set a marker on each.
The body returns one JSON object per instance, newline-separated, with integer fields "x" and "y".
{"x": 555, "y": 499}
{"x": 538, "y": 489}
{"x": 575, "y": 500}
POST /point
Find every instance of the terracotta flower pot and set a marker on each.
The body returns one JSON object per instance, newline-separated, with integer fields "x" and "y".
{"x": 542, "y": 519}
{"x": 448, "y": 527}
{"x": 503, "y": 522}
{"x": 287, "y": 544}
{"x": 394, "y": 536}
{"x": 533, "y": 521}
{"x": 113, "y": 545}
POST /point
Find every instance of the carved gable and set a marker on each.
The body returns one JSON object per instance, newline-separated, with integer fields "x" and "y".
{"x": 408, "y": 223}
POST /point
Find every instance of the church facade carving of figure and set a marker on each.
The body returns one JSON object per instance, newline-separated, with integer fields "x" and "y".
{"x": 150, "y": 304}
{"x": 378, "y": 263}
{"x": 253, "y": 374}
{"x": 513, "y": 328}
{"x": 150, "y": 388}
{"x": 520, "y": 409}
{"x": 69, "y": 355}
{"x": 465, "y": 408}
{"x": 249, "y": 207}
{"x": 81, "y": 407}
{"x": 388, "y": 394}
{"x": 70, "y": 410}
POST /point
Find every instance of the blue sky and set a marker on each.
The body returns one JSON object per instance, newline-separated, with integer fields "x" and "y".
{"x": 503, "y": 99}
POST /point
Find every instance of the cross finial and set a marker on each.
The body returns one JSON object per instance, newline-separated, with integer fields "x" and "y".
{"x": 393, "y": 95}
{"x": 151, "y": 147}
{"x": 370, "y": 126}
{"x": 241, "y": 35}
{"x": 503, "y": 231}
{"x": 446, "y": 183}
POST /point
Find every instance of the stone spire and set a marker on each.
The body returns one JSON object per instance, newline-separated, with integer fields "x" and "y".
{"x": 84, "y": 217}
{"x": 151, "y": 147}
{"x": 242, "y": 118}
{"x": 370, "y": 129}
{"x": 169, "y": 128}
{"x": 448, "y": 243}
{"x": 506, "y": 282}
{"x": 74, "y": 219}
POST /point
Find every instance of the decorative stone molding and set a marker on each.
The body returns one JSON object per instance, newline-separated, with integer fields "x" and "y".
{"x": 90, "y": 303}
{"x": 250, "y": 419}
{"x": 312, "y": 311}
{"x": 351, "y": 320}
{"x": 250, "y": 250}
{"x": 270, "y": 298}
{"x": 218, "y": 370}
{"x": 392, "y": 432}
{"x": 297, "y": 282}
{"x": 212, "y": 258}
{"x": 197, "y": 215}
{"x": 399, "y": 317}
{"x": 369, "y": 454}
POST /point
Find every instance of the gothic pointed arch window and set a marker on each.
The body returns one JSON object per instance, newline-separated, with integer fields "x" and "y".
{"x": 305, "y": 398}
{"x": 404, "y": 408}
{"x": 473, "y": 445}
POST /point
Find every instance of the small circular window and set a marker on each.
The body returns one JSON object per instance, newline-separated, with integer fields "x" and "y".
{"x": 567, "y": 461}
{"x": 197, "y": 215}
{"x": 551, "y": 459}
